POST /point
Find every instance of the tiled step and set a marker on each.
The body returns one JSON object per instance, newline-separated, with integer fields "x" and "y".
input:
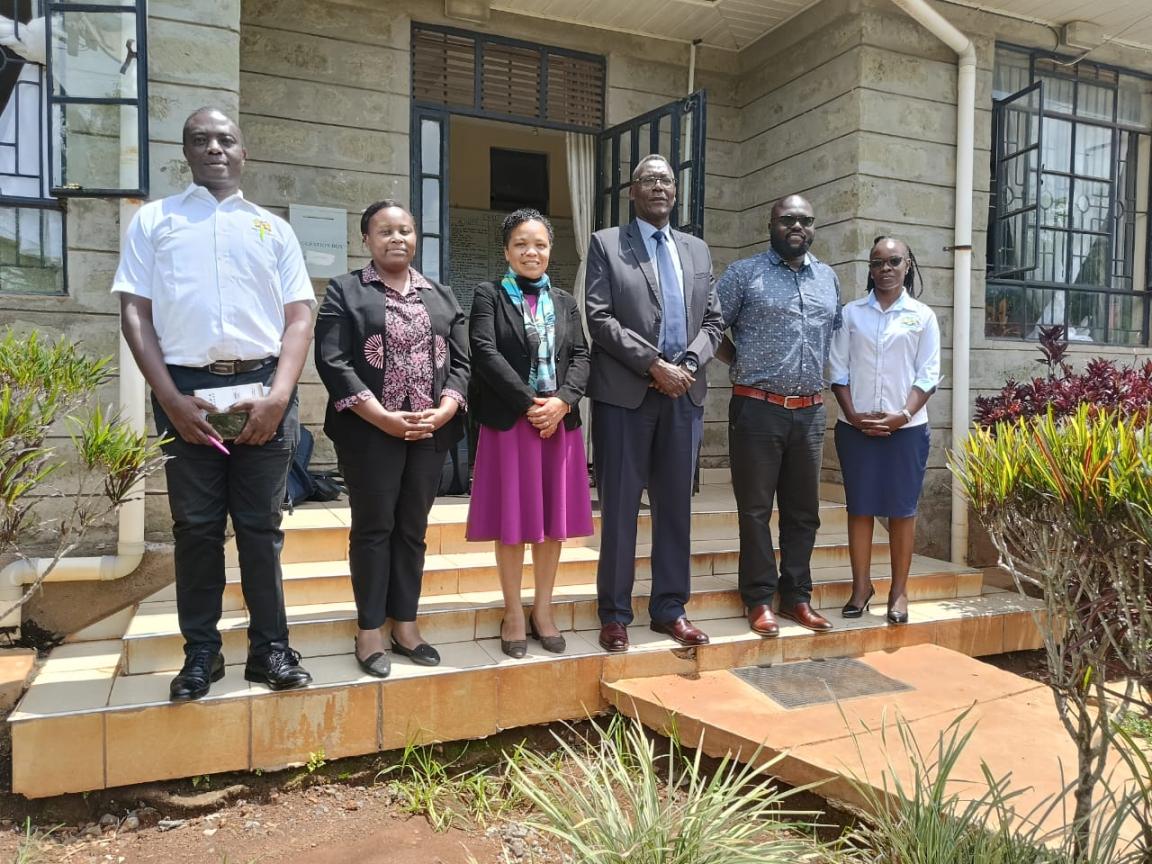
{"x": 82, "y": 726}
{"x": 327, "y": 581}
{"x": 153, "y": 642}
{"x": 320, "y": 533}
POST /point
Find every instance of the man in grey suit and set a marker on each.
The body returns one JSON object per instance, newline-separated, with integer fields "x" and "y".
{"x": 655, "y": 321}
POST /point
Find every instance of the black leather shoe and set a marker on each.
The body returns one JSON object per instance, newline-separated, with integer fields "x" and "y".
{"x": 201, "y": 667}
{"x": 422, "y": 655}
{"x": 280, "y": 669}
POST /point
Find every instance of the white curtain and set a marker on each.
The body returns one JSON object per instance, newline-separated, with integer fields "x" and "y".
{"x": 582, "y": 189}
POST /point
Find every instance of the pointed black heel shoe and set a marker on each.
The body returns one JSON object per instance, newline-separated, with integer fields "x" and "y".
{"x": 851, "y": 610}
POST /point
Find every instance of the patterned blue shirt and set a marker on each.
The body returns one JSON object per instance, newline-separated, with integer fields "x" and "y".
{"x": 782, "y": 322}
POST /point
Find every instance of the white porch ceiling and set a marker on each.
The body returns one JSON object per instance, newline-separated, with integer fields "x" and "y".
{"x": 734, "y": 24}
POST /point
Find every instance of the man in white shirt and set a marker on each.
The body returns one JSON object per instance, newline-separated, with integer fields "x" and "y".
{"x": 214, "y": 293}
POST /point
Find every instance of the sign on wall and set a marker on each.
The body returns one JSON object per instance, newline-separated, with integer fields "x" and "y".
{"x": 323, "y": 236}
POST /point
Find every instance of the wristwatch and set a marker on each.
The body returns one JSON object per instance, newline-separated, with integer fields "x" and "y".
{"x": 907, "y": 415}
{"x": 691, "y": 365}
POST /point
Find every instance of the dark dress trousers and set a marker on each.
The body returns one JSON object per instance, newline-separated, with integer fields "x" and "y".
{"x": 498, "y": 392}
{"x": 391, "y": 483}
{"x": 640, "y": 437}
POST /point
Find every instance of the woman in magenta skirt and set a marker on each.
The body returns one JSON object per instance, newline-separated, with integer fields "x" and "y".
{"x": 530, "y": 484}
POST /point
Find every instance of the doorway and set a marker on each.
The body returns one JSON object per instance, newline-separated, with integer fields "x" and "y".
{"x": 497, "y": 167}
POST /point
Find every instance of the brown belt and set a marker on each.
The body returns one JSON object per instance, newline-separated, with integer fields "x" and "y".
{"x": 776, "y": 399}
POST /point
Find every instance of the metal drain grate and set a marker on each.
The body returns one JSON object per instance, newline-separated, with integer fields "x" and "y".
{"x": 815, "y": 682}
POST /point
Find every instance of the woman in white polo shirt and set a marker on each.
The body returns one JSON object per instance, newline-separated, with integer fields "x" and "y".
{"x": 885, "y": 364}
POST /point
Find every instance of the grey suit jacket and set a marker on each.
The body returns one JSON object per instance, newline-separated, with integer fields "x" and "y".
{"x": 622, "y": 302}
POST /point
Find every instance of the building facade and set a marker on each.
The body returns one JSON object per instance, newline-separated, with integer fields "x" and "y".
{"x": 849, "y": 102}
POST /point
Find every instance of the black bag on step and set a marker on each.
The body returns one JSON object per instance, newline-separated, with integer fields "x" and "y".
{"x": 303, "y": 485}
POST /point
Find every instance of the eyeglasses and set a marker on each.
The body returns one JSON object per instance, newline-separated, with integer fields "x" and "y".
{"x": 650, "y": 181}
{"x": 893, "y": 262}
{"x": 791, "y": 220}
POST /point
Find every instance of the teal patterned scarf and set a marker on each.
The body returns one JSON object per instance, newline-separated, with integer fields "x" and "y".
{"x": 540, "y": 328}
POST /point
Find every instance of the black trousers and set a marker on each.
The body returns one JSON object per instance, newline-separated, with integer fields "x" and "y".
{"x": 205, "y": 487}
{"x": 776, "y": 453}
{"x": 391, "y": 486}
{"x": 652, "y": 446}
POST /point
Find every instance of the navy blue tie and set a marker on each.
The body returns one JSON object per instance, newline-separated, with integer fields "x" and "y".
{"x": 674, "y": 328}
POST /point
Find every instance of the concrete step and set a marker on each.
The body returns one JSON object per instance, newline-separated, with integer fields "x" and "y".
{"x": 82, "y": 725}
{"x": 320, "y": 533}
{"x": 326, "y": 626}
{"x": 309, "y": 582}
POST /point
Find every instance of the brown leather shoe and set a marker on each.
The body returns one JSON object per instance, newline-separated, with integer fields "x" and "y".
{"x": 762, "y": 621}
{"x": 683, "y": 631}
{"x": 614, "y": 637}
{"x": 804, "y": 615}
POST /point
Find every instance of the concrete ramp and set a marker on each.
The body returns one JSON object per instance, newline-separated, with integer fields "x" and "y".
{"x": 852, "y": 732}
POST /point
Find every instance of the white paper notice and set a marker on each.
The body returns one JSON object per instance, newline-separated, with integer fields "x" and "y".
{"x": 224, "y": 398}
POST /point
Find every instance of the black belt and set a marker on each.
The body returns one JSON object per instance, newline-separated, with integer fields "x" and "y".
{"x": 236, "y": 367}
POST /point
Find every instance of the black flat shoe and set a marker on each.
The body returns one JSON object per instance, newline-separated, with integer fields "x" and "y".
{"x": 514, "y": 648}
{"x": 201, "y": 668}
{"x": 378, "y": 665}
{"x": 554, "y": 644}
{"x": 280, "y": 669}
{"x": 422, "y": 655}
{"x": 897, "y": 617}
{"x": 851, "y": 610}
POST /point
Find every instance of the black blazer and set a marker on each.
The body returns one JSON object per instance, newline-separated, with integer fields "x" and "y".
{"x": 498, "y": 394}
{"x": 351, "y": 314}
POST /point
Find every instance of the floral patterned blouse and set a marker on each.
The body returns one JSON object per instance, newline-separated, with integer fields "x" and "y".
{"x": 409, "y": 353}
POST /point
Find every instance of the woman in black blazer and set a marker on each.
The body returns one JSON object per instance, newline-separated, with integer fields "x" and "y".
{"x": 531, "y": 362}
{"x": 391, "y": 347}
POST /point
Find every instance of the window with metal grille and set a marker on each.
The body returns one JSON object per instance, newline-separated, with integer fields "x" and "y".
{"x": 1068, "y": 235}
{"x": 506, "y": 79}
{"x": 31, "y": 220}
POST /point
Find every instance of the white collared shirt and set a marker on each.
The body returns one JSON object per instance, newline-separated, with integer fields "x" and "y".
{"x": 648, "y": 233}
{"x": 881, "y": 354}
{"x": 218, "y": 273}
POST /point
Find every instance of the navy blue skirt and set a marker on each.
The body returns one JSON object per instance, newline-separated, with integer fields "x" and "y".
{"x": 882, "y": 476}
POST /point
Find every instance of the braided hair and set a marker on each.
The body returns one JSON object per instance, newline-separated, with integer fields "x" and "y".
{"x": 910, "y": 278}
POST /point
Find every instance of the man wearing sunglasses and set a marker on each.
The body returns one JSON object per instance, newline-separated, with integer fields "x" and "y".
{"x": 782, "y": 307}
{"x": 655, "y": 322}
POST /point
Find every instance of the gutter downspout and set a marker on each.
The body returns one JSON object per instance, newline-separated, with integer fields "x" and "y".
{"x": 940, "y": 27}
{"x": 130, "y": 538}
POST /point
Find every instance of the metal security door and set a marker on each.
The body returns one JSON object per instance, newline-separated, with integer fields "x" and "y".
{"x": 676, "y": 131}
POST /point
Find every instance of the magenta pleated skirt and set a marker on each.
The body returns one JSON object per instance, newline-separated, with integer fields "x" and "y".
{"x": 526, "y": 489}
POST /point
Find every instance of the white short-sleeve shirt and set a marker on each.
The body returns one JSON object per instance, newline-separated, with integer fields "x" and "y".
{"x": 881, "y": 354}
{"x": 218, "y": 273}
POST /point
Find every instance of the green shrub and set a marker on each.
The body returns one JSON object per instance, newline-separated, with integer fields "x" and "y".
{"x": 614, "y": 800}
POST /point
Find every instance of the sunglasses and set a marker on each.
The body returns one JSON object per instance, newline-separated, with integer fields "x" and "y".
{"x": 790, "y": 220}
{"x": 893, "y": 262}
{"x": 651, "y": 182}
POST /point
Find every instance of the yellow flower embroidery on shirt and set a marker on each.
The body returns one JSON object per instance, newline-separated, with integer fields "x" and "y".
{"x": 263, "y": 226}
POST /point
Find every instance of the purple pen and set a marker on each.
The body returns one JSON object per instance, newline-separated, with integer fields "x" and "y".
{"x": 219, "y": 446}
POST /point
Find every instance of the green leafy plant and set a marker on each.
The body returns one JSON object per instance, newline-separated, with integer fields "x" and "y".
{"x": 43, "y": 384}
{"x": 1068, "y": 504}
{"x": 32, "y": 846}
{"x": 937, "y": 818}
{"x": 315, "y": 761}
{"x": 612, "y": 799}
{"x": 446, "y": 793}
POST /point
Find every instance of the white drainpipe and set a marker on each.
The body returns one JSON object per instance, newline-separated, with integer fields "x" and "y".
{"x": 130, "y": 539}
{"x": 940, "y": 27}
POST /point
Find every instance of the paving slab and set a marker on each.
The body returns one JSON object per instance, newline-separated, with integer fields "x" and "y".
{"x": 842, "y": 744}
